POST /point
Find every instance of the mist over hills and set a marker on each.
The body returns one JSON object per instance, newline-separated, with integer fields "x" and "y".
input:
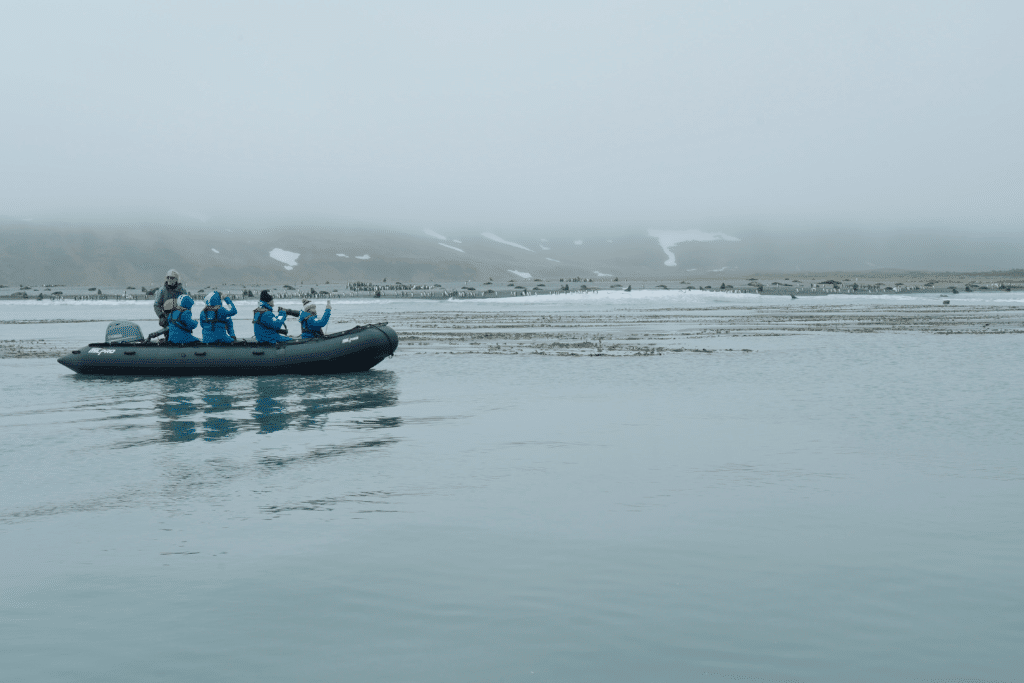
{"x": 126, "y": 254}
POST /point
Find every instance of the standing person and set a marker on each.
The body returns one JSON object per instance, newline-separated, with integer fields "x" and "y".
{"x": 180, "y": 322}
{"x": 265, "y": 324}
{"x": 216, "y": 319}
{"x": 311, "y": 326}
{"x": 172, "y": 289}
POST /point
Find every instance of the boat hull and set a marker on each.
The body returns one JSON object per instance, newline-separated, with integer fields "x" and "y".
{"x": 354, "y": 350}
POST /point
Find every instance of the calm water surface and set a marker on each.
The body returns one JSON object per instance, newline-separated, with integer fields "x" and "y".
{"x": 825, "y": 507}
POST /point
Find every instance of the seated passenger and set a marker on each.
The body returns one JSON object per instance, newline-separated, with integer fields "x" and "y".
{"x": 216, "y": 319}
{"x": 265, "y": 324}
{"x": 228, "y": 306}
{"x": 311, "y": 326}
{"x": 180, "y": 322}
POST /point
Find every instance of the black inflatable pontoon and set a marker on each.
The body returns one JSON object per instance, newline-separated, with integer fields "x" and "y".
{"x": 353, "y": 350}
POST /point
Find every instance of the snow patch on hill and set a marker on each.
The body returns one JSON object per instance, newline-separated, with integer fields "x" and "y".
{"x": 494, "y": 238}
{"x": 670, "y": 238}
{"x": 288, "y": 258}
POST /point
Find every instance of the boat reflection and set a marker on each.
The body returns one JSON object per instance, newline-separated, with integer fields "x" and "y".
{"x": 219, "y": 408}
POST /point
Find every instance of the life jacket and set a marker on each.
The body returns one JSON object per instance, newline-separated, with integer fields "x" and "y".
{"x": 174, "y": 319}
{"x": 257, "y": 319}
{"x": 315, "y": 331}
{"x": 209, "y": 315}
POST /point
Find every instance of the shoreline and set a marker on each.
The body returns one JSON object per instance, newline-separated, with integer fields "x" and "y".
{"x": 775, "y": 285}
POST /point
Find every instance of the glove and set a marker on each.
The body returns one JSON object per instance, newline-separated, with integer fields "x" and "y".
{"x": 328, "y": 307}
{"x": 163, "y": 321}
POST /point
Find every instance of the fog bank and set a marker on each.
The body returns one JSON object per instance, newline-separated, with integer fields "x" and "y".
{"x": 871, "y": 113}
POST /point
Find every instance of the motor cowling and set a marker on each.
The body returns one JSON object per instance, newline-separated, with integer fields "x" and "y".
{"x": 123, "y": 332}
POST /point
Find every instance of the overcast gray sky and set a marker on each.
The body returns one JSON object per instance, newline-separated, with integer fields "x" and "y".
{"x": 515, "y": 112}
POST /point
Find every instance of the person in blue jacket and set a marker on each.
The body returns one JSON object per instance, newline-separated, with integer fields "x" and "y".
{"x": 265, "y": 324}
{"x": 216, "y": 319}
{"x": 311, "y": 326}
{"x": 180, "y": 322}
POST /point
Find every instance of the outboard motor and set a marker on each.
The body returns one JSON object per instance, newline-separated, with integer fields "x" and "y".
{"x": 123, "y": 332}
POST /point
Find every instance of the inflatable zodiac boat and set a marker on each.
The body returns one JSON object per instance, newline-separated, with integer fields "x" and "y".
{"x": 126, "y": 352}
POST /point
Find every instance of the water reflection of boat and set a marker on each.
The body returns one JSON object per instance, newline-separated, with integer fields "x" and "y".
{"x": 219, "y": 408}
{"x": 354, "y": 350}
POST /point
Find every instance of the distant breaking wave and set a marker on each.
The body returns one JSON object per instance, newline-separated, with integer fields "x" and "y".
{"x": 670, "y": 238}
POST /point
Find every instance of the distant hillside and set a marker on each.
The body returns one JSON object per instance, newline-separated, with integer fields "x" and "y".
{"x": 139, "y": 255}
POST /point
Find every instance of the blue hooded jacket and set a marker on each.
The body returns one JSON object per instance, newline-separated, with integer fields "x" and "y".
{"x": 181, "y": 323}
{"x": 311, "y": 327}
{"x": 217, "y": 326}
{"x": 266, "y": 325}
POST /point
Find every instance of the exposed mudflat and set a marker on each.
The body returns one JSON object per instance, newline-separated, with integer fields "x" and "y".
{"x": 31, "y": 348}
{"x": 646, "y": 332}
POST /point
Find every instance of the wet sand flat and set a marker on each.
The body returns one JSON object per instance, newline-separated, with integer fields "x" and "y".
{"x": 573, "y": 330}
{"x": 650, "y": 332}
